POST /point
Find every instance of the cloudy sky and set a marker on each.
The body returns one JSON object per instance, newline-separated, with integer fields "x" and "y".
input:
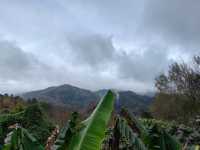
{"x": 94, "y": 44}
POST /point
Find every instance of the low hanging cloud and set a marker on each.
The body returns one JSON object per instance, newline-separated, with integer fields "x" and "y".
{"x": 109, "y": 66}
{"x": 176, "y": 22}
{"x": 19, "y": 69}
{"x": 14, "y": 62}
{"x": 98, "y": 50}
{"x": 93, "y": 49}
{"x": 143, "y": 67}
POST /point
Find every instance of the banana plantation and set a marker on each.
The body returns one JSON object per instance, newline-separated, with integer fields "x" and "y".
{"x": 107, "y": 128}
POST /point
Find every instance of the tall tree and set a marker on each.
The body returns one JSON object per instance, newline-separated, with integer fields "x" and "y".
{"x": 178, "y": 91}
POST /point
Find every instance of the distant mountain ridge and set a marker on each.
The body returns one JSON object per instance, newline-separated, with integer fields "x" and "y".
{"x": 64, "y": 94}
{"x": 70, "y": 95}
{"x": 136, "y": 103}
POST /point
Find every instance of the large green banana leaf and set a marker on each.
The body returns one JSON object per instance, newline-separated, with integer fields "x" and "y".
{"x": 93, "y": 129}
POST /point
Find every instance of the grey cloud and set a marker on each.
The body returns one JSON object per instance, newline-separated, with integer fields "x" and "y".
{"x": 108, "y": 42}
{"x": 20, "y": 70}
{"x": 14, "y": 62}
{"x": 97, "y": 50}
{"x": 175, "y": 21}
{"x": 93, "y": 49}
{"x": 143, "y": 67}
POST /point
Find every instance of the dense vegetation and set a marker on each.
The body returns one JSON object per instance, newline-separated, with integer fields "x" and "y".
{"x": 126, "y": 132}
{"x": 178, "y": 96}
{"x": 32, "y": 119}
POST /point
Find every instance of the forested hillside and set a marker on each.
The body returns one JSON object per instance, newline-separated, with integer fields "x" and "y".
{"x": 78, "y": 98}
{"x": 64, "y": 94}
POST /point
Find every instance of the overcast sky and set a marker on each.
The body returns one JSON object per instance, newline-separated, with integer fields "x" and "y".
{"x": 93, "y": 44}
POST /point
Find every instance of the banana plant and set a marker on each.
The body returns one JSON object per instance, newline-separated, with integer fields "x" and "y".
{"x": 89, "y": 134}
{"x": 66, "y": 133}
{"x": 20, "y": 139}
{"x": 124, "y": 138}
{"x": 153, "y": 137}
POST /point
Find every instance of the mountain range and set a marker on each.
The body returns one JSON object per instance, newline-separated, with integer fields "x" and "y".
{"x": 70, "y": 95}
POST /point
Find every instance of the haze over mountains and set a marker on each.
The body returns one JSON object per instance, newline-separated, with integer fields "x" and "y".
{"x": 70, "y": 95}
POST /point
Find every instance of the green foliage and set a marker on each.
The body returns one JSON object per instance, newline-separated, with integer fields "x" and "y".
{"x": 153, "y": 136}
{"x": 89, "y": 134}
{"x": 20, "y": 139}
{"x": 160, "y": 139}
{"x": 128, "y": 132}
{"x": 127, "y": 138}
{"x": 6, "y": 120}
{"x": 35, "y": 122}
{"x": 186, "y": 135}
{"x": 18, "y": 108}
{"x": 66, "y": 133}
{"x": 33, "y": 119}
{"x": 124, "y": 137}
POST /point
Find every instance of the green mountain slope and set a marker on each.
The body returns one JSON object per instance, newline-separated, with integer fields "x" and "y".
{"x": 77, "y": 97}
{"x": 64, "y": 94}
